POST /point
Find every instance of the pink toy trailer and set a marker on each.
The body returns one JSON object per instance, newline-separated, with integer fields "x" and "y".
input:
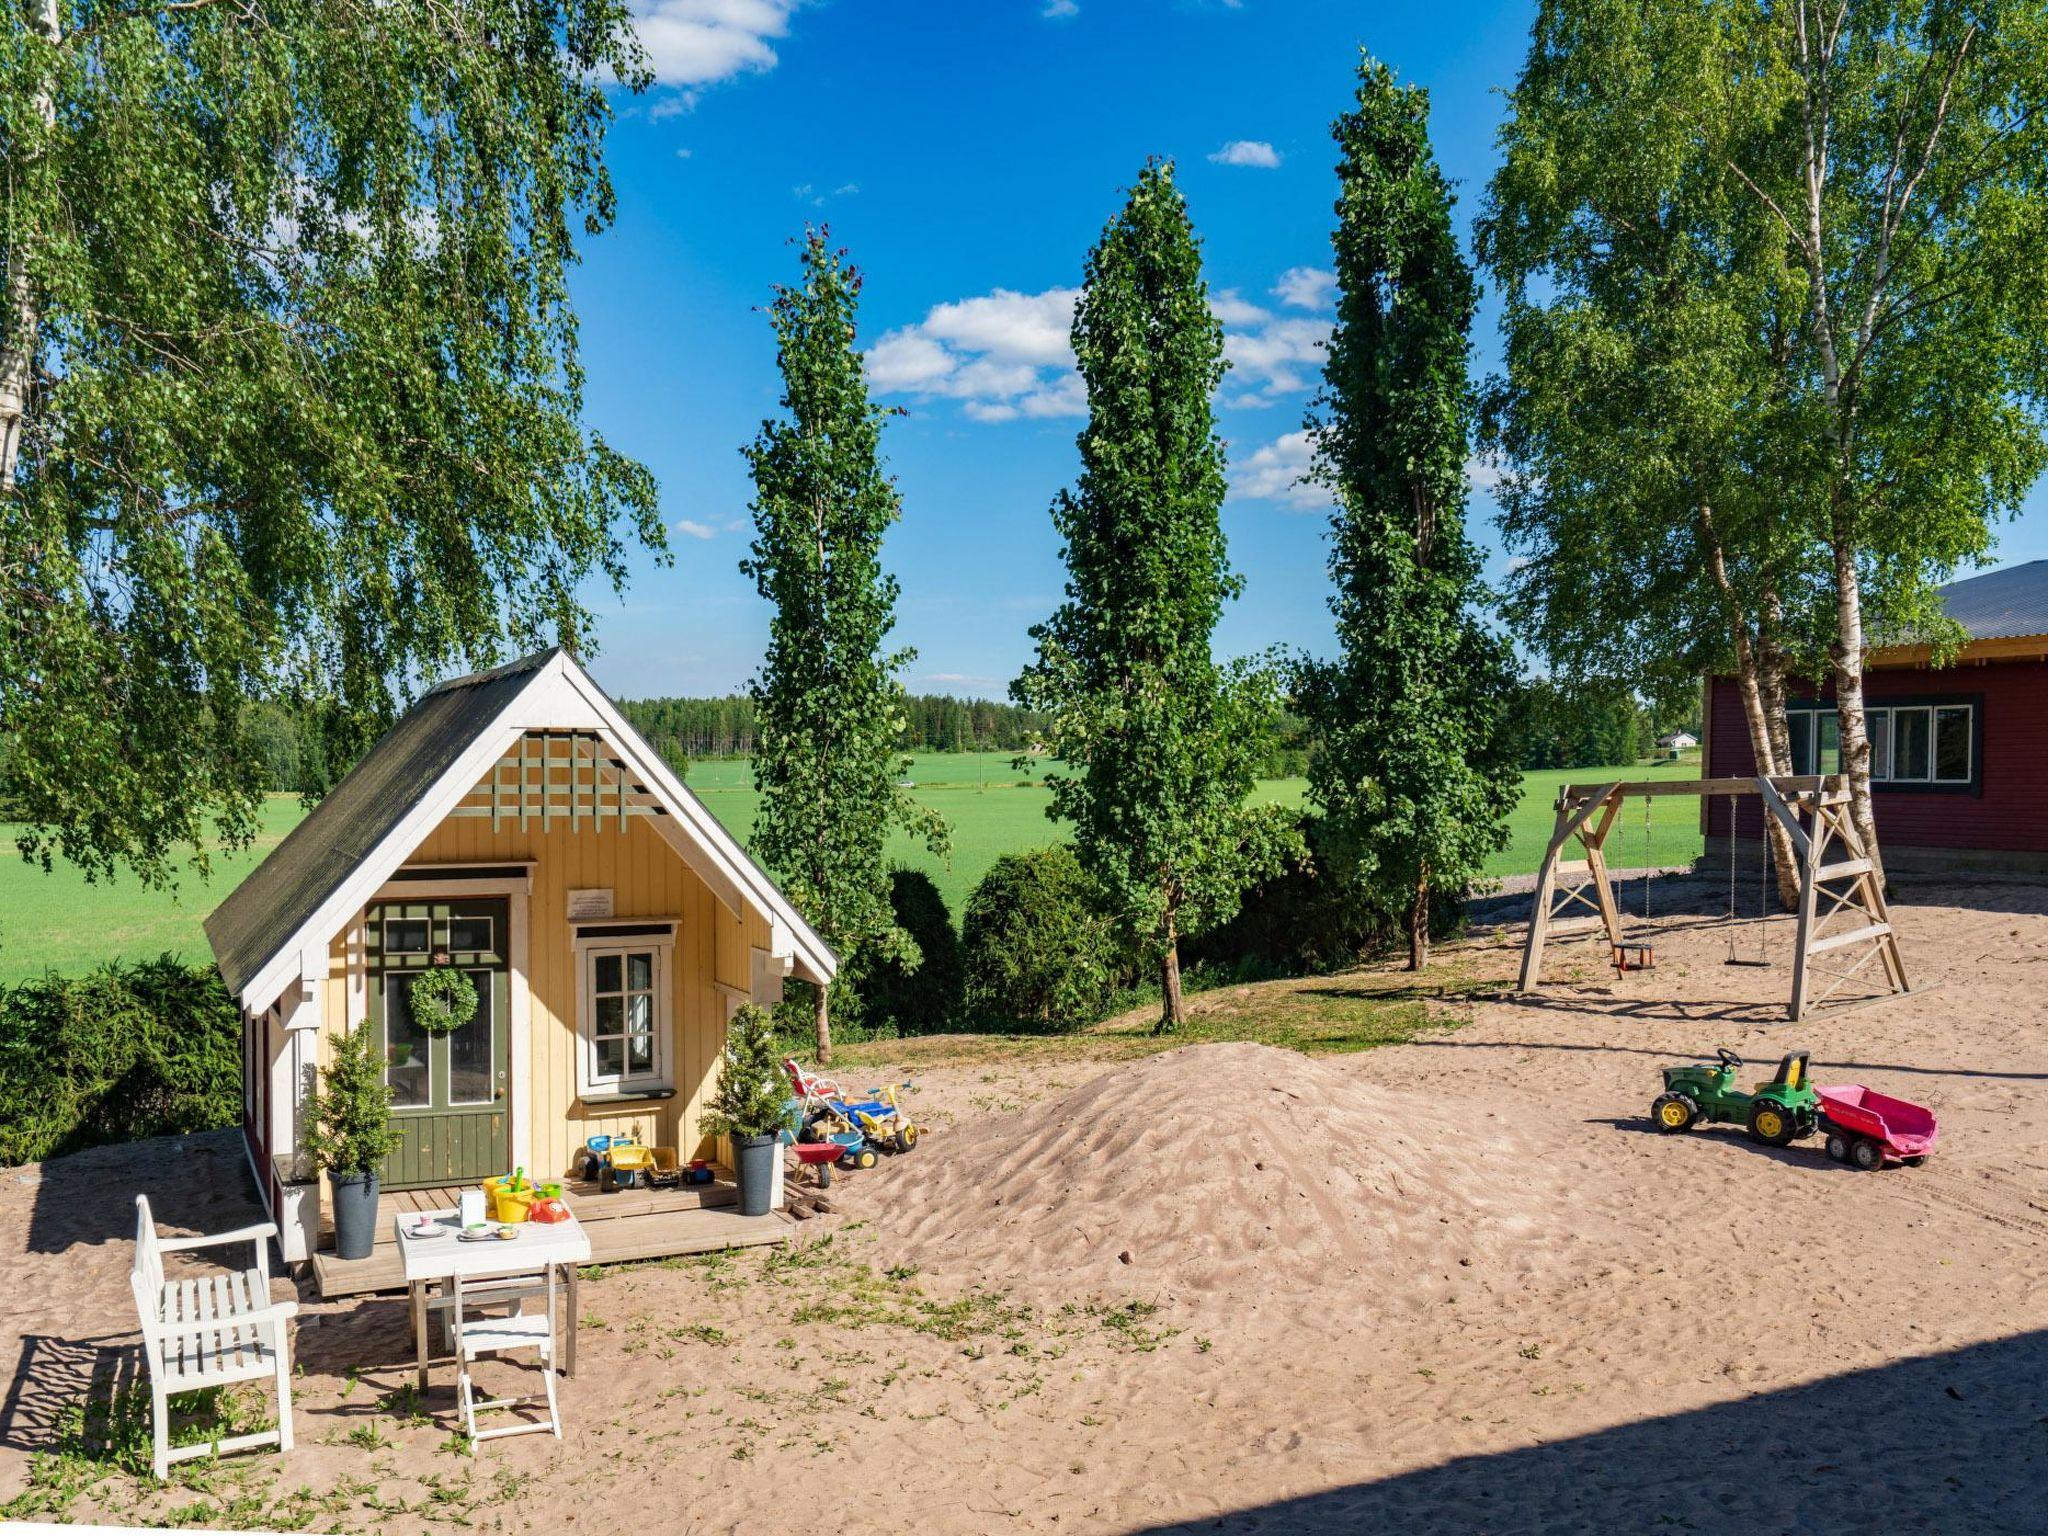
{"x": 1869, "y": 1129}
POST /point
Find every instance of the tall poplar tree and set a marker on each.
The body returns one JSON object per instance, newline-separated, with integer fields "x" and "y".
{"x": 290, "y": 396}
{"x": 827, "y": 701}
{"x": 1415, "y": 768}
{"x": 1162, "y": 739}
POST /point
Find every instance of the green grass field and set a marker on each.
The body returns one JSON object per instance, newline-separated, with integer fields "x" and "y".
{"x": 59, "y": 921}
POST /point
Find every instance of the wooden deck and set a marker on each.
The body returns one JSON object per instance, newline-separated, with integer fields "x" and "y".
{"x": 626, "y": 1225}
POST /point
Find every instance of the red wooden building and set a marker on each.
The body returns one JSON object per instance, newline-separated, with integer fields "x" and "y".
{"x": 1959, "y": 754}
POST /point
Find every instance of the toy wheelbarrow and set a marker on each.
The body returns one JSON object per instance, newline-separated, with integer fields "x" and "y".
{"x": 819, "y": 1155}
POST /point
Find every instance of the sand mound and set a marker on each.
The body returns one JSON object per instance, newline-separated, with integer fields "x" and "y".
{"x": 1221, "y": 1170}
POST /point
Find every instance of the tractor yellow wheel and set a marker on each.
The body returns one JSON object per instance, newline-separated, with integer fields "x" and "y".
{"x": 1673, "y": 1112}
{"x": 1769, "y": 1124}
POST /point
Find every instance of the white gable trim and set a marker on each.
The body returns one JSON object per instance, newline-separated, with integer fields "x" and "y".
{"x": 814, "y": 958}
{"x": 560, "y": 696}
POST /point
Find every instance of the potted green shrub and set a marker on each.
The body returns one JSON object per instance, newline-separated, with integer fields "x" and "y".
{"x": 746, "y": 1107}
{"x": 348, "y": 1133}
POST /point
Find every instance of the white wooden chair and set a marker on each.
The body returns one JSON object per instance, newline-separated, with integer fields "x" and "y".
{"x": 504, "y": 1334}
{"x": 209, "y": 1331}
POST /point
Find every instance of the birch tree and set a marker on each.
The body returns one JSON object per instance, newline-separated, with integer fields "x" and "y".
{"x": 1642, "y": 431}
{"x": 828, "y": 701}
{"x": 290, "y": 398}
{"x": 1788, "y": 239}
{"x": 1900, "y": 150}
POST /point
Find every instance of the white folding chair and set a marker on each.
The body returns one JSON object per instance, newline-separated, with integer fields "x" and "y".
{"x": 517, "y": 1331}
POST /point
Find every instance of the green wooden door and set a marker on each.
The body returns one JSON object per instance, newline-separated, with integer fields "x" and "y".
{"x": 448, "y": 1092}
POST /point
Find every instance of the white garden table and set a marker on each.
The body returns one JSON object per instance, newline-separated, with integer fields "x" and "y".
{"x": 443, "y": 1255}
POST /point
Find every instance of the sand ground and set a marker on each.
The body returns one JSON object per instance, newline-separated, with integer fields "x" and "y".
{"x": 1456, "y": 1284}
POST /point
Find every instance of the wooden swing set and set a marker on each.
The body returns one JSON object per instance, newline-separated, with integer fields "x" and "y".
{"x": 1836, "y": 880}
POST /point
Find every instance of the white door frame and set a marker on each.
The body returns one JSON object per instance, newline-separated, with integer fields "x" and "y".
{"x": 454, "y": 885}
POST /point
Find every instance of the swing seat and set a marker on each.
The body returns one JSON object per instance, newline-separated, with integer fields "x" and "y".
{"x": 1634, "y": 957}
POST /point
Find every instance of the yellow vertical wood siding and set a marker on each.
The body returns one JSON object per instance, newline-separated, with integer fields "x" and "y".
{"x": 648, "y": 879}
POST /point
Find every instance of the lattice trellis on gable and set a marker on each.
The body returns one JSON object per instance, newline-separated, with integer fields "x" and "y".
{"x": 567, "y": 778}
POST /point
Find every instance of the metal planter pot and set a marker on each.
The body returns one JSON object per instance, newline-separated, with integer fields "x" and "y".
{"x": 355, "y": 1213}
{"x": 758, "y": 1163}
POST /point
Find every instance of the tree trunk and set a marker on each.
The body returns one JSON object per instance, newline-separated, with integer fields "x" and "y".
{"x": 23, "y": 318}
{"x": 1848, "y": 657}
{"x": 1762, "y": 691}
{"x": 822, "y": 1018}
{"x": 1418, "y": 923}
{"x": 1770, "y": 683}
{"x": 1173, "y": 1008}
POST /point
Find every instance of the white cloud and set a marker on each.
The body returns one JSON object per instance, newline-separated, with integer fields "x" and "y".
{"x": 1003, "y": 355}
{"x": 1253, "y": 152}
{"x": 691, "y": 528}
{"x": 1275, "y": 473}
{"x": 960, "y": 680}
{"x": 1232, "y": 308}
{"x": 1060, "y": 10}
{"x": 1277, "y": 357}
{"x": 694, "y": 43}
{"x": 1306, "y": 287}
{"x": 1483, "y": 474}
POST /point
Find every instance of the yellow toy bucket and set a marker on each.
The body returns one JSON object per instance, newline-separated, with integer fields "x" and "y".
{"x": 508, "y": 1205}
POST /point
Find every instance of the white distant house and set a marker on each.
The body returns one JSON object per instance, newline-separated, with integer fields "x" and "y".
{"x": 1675, "y": 742}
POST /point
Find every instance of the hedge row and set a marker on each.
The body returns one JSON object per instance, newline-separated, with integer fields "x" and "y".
{"x": 1035, "y": 952}
{"x": 121, "y": 1053}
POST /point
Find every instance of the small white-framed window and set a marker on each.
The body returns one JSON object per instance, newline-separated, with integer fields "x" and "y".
{"x": 626, "y": 1025}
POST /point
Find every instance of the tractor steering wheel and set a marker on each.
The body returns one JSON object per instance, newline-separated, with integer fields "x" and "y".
{"x": 1728, "y": 1057}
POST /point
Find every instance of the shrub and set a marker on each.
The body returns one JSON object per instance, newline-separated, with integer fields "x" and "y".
{"x": 1038, "y": 949}
{"x": 887, "y": 997}
{"x": 750, "y": 1091}
{"x": 1310, "y": 919}
{"x": 348, "y": 1117}
{"x": 123, "y": 1052}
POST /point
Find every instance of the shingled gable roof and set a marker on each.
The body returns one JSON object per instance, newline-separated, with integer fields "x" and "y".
{"x": 351, "y": 842}
{"x": 2001, "y": 605}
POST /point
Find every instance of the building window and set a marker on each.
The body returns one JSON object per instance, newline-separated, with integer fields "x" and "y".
{"x": 626, "y": 1019}
{"x": 1933, "y": 744}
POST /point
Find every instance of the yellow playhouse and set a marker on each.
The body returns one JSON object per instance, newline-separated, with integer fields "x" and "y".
{"x": 514, "y": 825}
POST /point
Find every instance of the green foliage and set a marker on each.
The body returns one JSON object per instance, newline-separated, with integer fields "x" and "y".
{"x": 1414, "y": 767}
{"x": 682, "y": 729}
{"x": 827, "y": 697}
{"x": 303, "y": 398}
{"x": 920, "y": 1000}
{"x": 1038, "y": 948}
{"x": 348, "y": 1116}
{"x": 1586, "y": 725}
{"x": 1162, "y": 739}
{"x": 1313, "y": 917}
{"x": 1770, "y": 355}
{"x": 125, "y": 1052}
{"x": 748, "y": 1098}
{"x": 441, "y": 999}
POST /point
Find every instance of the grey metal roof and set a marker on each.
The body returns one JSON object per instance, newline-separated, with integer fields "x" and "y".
{"x": 2001, "y": 605}
{"x": 260, "y": 916}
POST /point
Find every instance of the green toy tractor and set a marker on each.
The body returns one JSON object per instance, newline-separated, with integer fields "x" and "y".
{"x": 1778, "y": 1112}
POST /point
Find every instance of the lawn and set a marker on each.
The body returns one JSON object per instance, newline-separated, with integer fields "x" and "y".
{"x": 59, "y": 921}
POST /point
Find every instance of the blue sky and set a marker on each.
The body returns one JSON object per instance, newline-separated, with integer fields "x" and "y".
{"x": 968, "y": 152}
